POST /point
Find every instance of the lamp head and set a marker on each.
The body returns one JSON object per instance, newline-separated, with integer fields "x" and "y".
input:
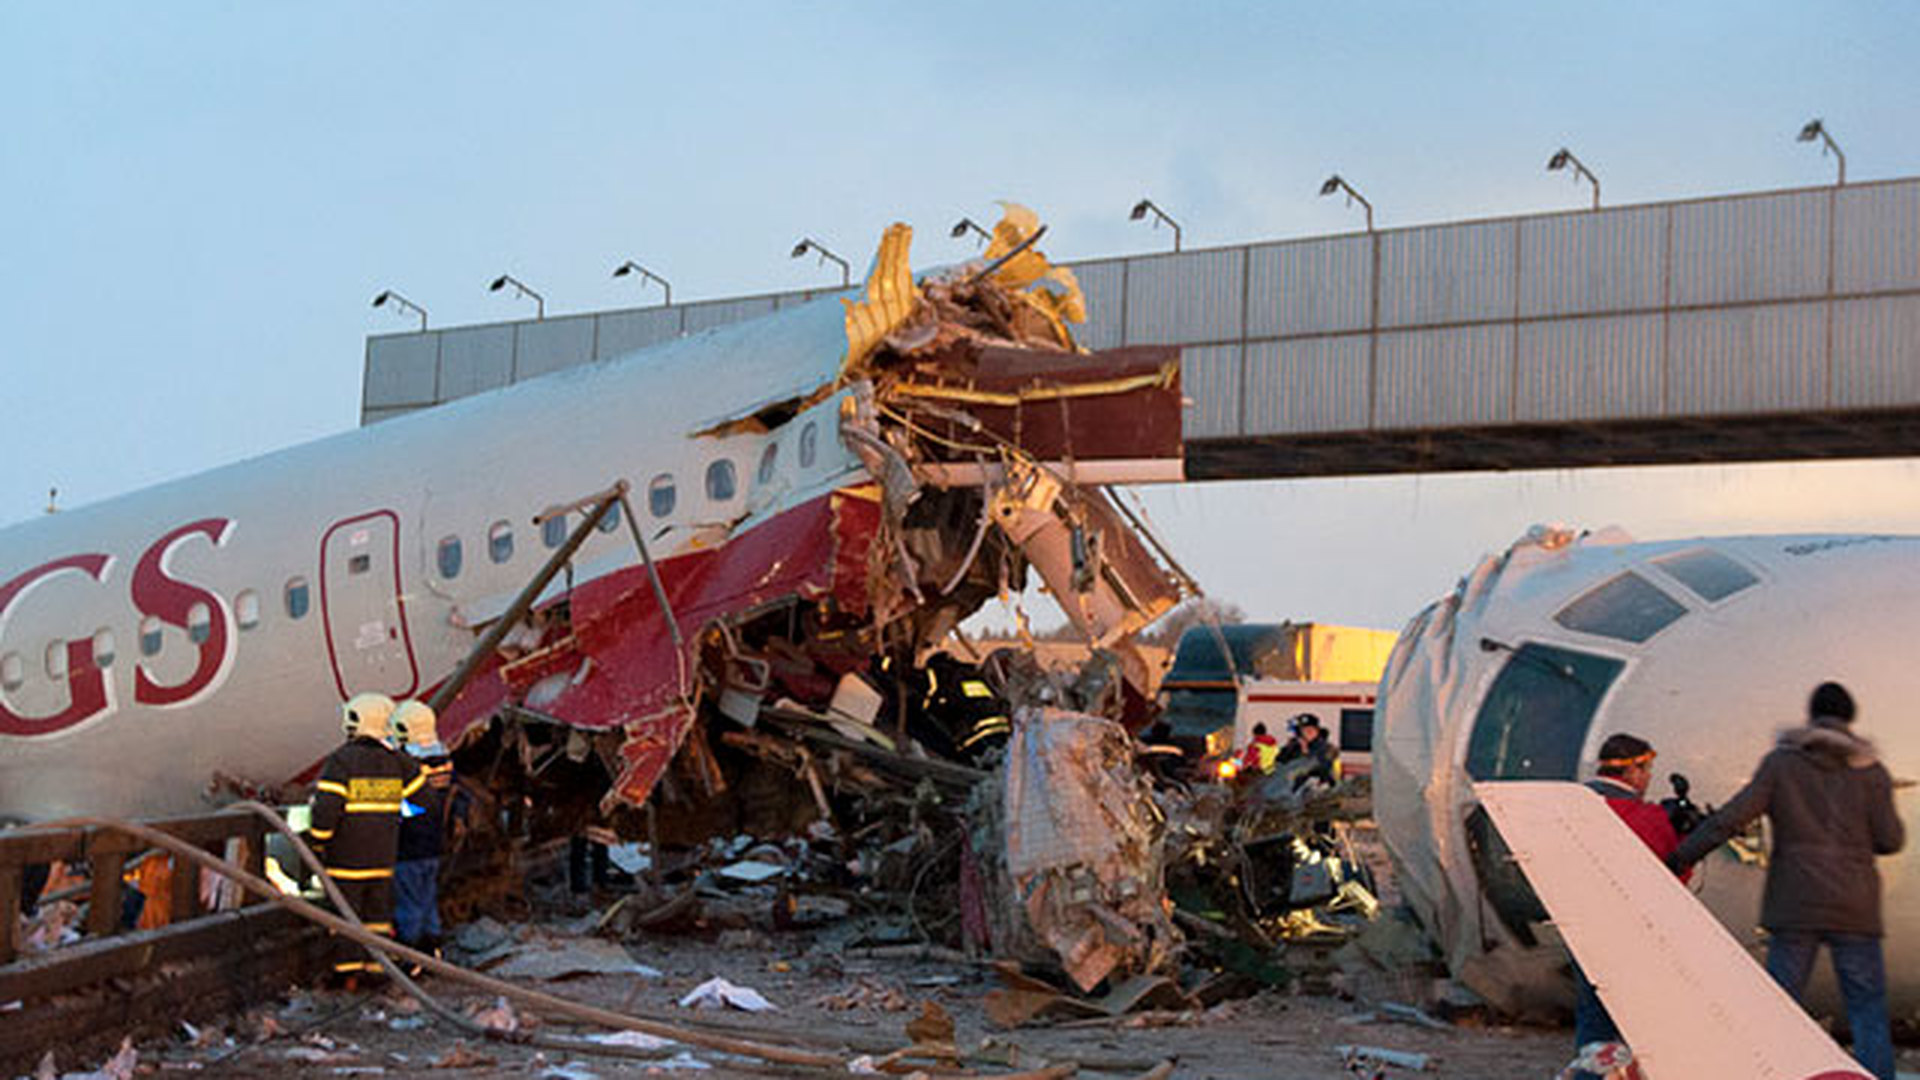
{"x": 1559, "y": 159}
{"x": 1332, "y": 186}
{"x": 385, "y": 294}
{"x": 1140, "y": 210}
{"x": 498, "y": 284}
{"x": 1812, "y": 131}
{"x": 623, "y": 269}
{"x": 960, "y": 228}
{"x": 802, "y": 248}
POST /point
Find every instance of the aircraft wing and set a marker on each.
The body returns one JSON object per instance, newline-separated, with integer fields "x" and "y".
{"x": 1688, "y": 998}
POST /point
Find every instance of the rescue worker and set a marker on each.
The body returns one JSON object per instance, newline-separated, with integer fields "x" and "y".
{"x": 1261, "y": 752}
{"x": 1308, "y": 744}
{"x": 1829, "y": 801}
{"x": 356, "y": 820}
{"x": 1625, "y": 771}
{"x": 423, "y": 817}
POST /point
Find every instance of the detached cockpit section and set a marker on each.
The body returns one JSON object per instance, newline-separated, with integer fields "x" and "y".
{"x": 1706, "y": 648}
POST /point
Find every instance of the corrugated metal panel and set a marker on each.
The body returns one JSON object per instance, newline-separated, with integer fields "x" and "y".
{"x": 1768, "y": 247}
{"x": 552, "y": 344}
{"x": 1210, "y": 378}
{"x": 1752, "y": 359}
{"x": 1612, "y": 260}
{"x": 1310, "y": 287}
{"x": 1431, "y": 378}
{"x": 1447, "y": 274}
{"x": 711, "y": 313}
{"x": 1878, "y": 246}
{"x": 1876, "y": 353}
{"x": 625, "y": 331}
{"x": 400, "y": 371}
{"x": 1102, "y": 283}
{"x": 791, "y": 299}
{"x": 1196, "y": 296}
{"x": 1588, "y": 369}
{"x": 475, "y": 359}
{"x": 1307, "y": 384}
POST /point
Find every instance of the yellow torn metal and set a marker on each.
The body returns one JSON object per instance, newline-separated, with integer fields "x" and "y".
{"x": 1051, "y": 290}
{"x": 891, "y": 298}
{"x": 934, "y": 391}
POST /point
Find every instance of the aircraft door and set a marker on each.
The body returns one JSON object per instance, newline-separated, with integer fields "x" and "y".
{"x": 364, "y": 608}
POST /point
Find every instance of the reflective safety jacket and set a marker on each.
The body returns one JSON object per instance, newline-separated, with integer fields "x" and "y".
{"x": 356, "y": 808}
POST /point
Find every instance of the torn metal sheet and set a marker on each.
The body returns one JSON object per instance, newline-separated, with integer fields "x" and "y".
{"x": 1083, "y": 846}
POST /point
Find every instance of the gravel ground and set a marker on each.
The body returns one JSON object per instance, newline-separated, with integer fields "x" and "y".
{"x": 840, "y": 1005}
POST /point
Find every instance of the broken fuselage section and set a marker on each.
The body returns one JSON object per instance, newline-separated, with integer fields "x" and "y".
{"x": 956, "y": 441}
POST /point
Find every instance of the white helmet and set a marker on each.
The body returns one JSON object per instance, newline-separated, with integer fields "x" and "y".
{"x": 368, "y": 715}
{"x": 414, "y": 722}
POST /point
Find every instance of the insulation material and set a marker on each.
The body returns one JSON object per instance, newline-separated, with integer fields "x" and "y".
{"x": 1083, "y": 846}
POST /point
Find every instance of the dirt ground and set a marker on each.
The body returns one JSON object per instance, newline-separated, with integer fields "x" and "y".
{"x": 843, "y": 1005}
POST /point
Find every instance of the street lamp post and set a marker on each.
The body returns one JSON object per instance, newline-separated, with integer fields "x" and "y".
{"x": 807, "y": 244}
{"x": 646, "y": 275}
{"x": 1563, "y": 158}
{"x": 1335, "y": 185}
{"x": 966, "y": 225}
{"x": 539, "y": 302}
{"x": 401, "y": 304}
{"x": 1144, "y": 207}
{"x": 1817, "y": 129}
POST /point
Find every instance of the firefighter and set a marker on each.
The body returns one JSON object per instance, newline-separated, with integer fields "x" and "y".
{"x": 423, "y": 817}
{"x": 1261, "y": 752}
{"x": 356, "y": 820}
{"x": 1309, "y": 753}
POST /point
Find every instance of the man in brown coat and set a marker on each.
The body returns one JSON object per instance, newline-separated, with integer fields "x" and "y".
{"x": 1830, "y": 803}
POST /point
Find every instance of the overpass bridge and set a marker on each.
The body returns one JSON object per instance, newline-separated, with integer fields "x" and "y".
{"x": 1769, "y": 326}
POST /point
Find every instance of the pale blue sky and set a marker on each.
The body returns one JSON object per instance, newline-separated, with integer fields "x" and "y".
{"x": 197, "y": 200}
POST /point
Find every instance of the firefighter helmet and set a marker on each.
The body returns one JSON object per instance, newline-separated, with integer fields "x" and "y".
{"x": 368, "y": 715}
{"x": 414, "y": 722}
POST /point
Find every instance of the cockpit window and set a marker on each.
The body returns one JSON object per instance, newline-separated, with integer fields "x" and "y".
{"x": 1712, "y": 576}
{"x": 1627, "y": 607}
{"x": 1535, "y": 718}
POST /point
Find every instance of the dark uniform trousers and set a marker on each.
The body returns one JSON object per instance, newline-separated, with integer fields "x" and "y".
{"x": 356, "y": 827}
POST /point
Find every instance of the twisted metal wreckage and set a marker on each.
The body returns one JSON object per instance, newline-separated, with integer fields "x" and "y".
{"x": 762, "y": 678}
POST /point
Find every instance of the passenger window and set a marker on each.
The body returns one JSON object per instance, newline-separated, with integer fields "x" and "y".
{"x": 769, "y": 460}
{"x": 57, "y": 660}
{"x": 660, "y": 495}
{"x": 246, "y": 609}
{"x": 611, "y": 520}
{"x": 448, "y": 556}
{"x": 103, "y": 648}
{"x": 1535, "y": 718}
{"x": 13, "y": 671}
{"x": 500, "y": 542}
{"x": 199, "y": 624}
{"x": 1627, "y": 607}
{"x": 1710, "y": 575}
{"x": 809, "y": 444}
{"x": 553, "y": 531}
{"x": 297, "y": 598}
{"x": 1356, "y": 730}
{"x": 359, "y": 564}
{"x": 150, "y": 636}
{"x": 721, "y": 481}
